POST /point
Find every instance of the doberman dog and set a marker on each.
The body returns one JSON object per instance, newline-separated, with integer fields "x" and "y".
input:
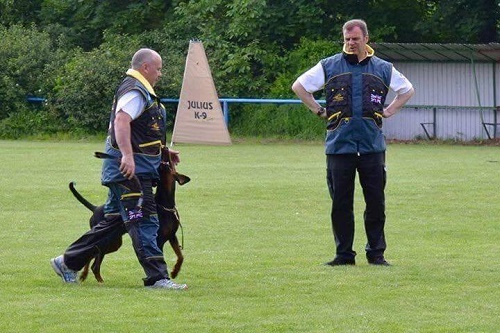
{"x": 168, "y": 217}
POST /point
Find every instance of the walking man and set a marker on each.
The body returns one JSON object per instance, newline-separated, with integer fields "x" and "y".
{"x": 137, "y": 131}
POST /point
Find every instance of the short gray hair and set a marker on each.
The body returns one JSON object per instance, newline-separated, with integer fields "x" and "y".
{"x": 142, "y": 56}
{"x": 356, "y": 23}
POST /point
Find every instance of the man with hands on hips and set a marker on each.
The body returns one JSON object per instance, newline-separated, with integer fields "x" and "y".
{"x": 356, "y": 84}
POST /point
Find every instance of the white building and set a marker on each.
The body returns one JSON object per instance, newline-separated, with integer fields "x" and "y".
{"x": 457, "y": 95}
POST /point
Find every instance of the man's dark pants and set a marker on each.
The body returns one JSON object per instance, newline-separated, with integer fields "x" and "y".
{"x": 341, "y": 176}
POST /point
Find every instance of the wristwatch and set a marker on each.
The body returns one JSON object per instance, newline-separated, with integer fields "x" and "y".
{"x": 320, "y": 111}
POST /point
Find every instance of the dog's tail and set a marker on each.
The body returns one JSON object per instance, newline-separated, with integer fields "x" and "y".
{"x": 80, "y": 198}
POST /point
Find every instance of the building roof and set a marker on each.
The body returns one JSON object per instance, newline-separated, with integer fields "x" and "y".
{"x": 430, "y": 52}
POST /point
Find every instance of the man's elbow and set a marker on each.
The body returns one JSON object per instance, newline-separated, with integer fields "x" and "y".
{"x": 407, "y": 95}
{"x": 297, "y": 87}
{"x": 410, "y": 92}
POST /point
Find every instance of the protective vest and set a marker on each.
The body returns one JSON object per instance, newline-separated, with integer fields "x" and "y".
{"x": 148, "y": 132}
{"x": 355, "y": 96}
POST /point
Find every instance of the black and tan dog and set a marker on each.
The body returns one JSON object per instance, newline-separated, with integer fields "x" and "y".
{"x": 167, "y": 216}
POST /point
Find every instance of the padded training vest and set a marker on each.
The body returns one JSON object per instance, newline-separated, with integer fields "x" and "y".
{"x": 355, "y": 97}
{"x": 147, "y": 130}
{"x": 148, "y": 134}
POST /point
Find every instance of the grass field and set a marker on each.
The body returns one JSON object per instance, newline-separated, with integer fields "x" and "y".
{"x": 256, "y": 235}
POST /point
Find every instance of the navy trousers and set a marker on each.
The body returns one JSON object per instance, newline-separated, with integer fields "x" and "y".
{"x": 341, "y": 176}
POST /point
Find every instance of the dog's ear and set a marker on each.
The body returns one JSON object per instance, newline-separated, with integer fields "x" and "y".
{"x": 181, "y": 179}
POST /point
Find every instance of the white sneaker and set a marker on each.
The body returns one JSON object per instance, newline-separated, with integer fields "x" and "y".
{"x": 67, "y": 275}
{"x": 168, "y": 284}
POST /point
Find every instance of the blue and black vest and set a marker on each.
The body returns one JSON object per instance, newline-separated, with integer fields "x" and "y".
{"x": 355, "y": 96}
{"x": 148, "y": 135}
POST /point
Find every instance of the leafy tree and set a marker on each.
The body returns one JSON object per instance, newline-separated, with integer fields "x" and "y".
{"x": 85, "y": 85}
{"x": 74, "y": 52}
{"x": 304, "y": 56}
{"x": 460, "y": 21}
{"x": 19, "y": 12}
{"x": 24, "y": 53}
{"x": 86, "y": 21}
{"x": 243, "y": 38}
{"x": 388, "y": 20}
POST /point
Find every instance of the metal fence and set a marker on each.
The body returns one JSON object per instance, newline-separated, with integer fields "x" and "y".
{"x": 412, "y": 122}
{"x": 445, "y": 123}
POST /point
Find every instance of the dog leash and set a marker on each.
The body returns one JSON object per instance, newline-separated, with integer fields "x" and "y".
{"x": 99, "y": 154}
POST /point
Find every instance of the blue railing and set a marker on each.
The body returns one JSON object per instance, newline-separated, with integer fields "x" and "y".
{"x": 226, "y": 101}
{"x": 36, "y": 100}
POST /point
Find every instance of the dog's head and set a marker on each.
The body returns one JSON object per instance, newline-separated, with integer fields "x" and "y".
{"x": 168, "y": 173}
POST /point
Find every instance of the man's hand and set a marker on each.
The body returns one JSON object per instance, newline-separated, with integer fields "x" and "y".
{"x": 127, "y": 166}
{"x": 308, "y": 99}
{"x": 398, "y": 102}
{"x": 174, "y": 156}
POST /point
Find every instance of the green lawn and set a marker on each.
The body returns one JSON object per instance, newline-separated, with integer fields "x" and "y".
{"x": 256, "y": 235}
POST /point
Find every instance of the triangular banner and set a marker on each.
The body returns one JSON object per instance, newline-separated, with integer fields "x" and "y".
{"x": 199, "y": 116}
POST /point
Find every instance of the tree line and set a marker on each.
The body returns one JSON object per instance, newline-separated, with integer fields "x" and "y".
{"x": 75, "y": 52}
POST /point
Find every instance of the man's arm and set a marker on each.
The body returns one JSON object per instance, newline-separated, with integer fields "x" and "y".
{"x": 124, "y": 141}
{"x": 397, "y": 103}
{"x": 308, "y": 99}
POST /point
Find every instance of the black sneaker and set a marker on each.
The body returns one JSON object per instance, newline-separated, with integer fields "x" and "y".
{"x": 379, "y": 261}
{"x": 341, "y": 262}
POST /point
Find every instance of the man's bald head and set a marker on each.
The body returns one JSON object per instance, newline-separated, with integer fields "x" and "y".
{"x": 144, "y": 56}
{"x": 149, "y": 63}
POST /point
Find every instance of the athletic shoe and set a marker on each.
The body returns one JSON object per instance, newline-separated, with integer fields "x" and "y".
{"x": 168, "y": 284}
{"x": 67, "y": 275}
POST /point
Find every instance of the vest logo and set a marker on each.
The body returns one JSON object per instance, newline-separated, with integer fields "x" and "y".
{"x": 155, "y": 127}
{"x": 338, "y": 98}
{"x": 200, "y": 105}
{"x": 377, "y": 99}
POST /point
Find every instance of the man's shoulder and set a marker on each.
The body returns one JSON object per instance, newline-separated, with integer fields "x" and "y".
{"x": 130, "y": 83}
{"x": 336, "y": 56}
{"x": 380, "y": 61}
{"x": 332, "y": 59}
